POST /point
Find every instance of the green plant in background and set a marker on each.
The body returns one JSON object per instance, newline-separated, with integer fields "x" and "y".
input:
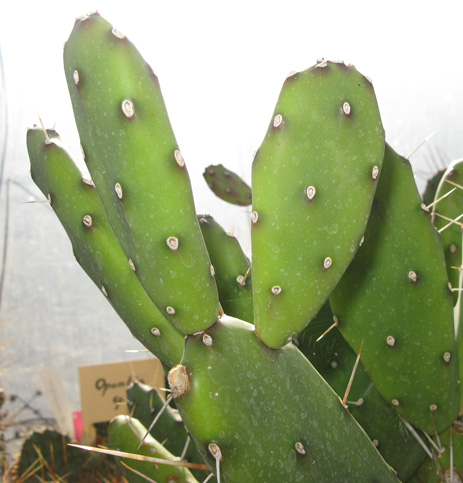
{"x": 348, "y": 276}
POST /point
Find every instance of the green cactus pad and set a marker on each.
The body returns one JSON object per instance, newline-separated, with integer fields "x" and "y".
{"x": 313, "y": 181}
{"x": 450, "y": 208}
{"x": 95, "y": 246}
{"x": 267, "y": 412}
{"x": 231, "y": 267}
{"x": 334, "y": 359}
{"x": 395, "y": 299}
{"x": 227, "y": 185}
{"x": 139, "y": 172}
{"x": 125, "y": 434}
{"x": 439, "y": 470}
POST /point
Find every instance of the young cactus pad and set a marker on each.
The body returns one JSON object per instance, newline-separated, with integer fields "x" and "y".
{"x": 313, "y": 179}
{"x": 227, "y": 185}
{"x": 395, "y": 299}
{"x": 232, "y": 269}
{"x": 272, "y": 418}
{"x": 448, "y": 206}
{"x": 95, "y": 246}
{"x": 139, "y": 172}
{"x": 126, "y": 434}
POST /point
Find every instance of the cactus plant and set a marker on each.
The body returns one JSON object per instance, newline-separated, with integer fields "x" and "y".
{"x": 338, "y": 230}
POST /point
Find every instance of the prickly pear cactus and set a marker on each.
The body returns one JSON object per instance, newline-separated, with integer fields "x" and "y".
{"x": 346, "y": 264}
{"x": 78, "y": 207}
{"x": 139, "y": 171}
{"x": 313, "y": 182}
{"x": 387, "y": 301}
{"x": 279, "y": 421}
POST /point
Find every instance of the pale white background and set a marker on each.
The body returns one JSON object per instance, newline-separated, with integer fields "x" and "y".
{"x": 221, "y": 66}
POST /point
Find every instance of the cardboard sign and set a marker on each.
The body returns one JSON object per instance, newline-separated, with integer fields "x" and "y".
{"x": 103, "y": 386}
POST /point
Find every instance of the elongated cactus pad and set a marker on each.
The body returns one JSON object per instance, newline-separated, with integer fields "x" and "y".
{"x": 313, "y": 181}
{"x": 334, "y": 359}
{"x": 439, "y": 470}
{"x": 395, "y": 298}
{"x": 227, "y": 185}
{"x": 231, "y": 267}
{"x": 125, "y": 434}
{"x": 447, "y": 215}
{"x": 139, "y": 171}
{"x": 95, "y": 246}
{"x": 272, "y": 417}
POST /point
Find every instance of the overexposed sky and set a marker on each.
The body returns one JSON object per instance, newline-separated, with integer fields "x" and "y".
{"x": 221, "y": 64}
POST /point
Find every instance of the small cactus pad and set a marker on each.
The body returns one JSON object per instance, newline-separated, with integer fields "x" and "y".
{"x": 231, "y": 267}
{"x": 227, "y": 185}
{"x": 272, "y": 417}
{"x": 95, "y": 246}
{"x": 323, "y": 345}
{"x": 439, "y": 469}
{"x": 126, "y": 434}
{"x": 448, "y": 206}
{"x": 313, "y": 181}
{"x": 395, "y": 299}
{"x": 139, "y": 172}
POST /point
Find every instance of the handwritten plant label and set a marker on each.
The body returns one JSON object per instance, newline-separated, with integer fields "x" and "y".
{"x": 103, "y": 386}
